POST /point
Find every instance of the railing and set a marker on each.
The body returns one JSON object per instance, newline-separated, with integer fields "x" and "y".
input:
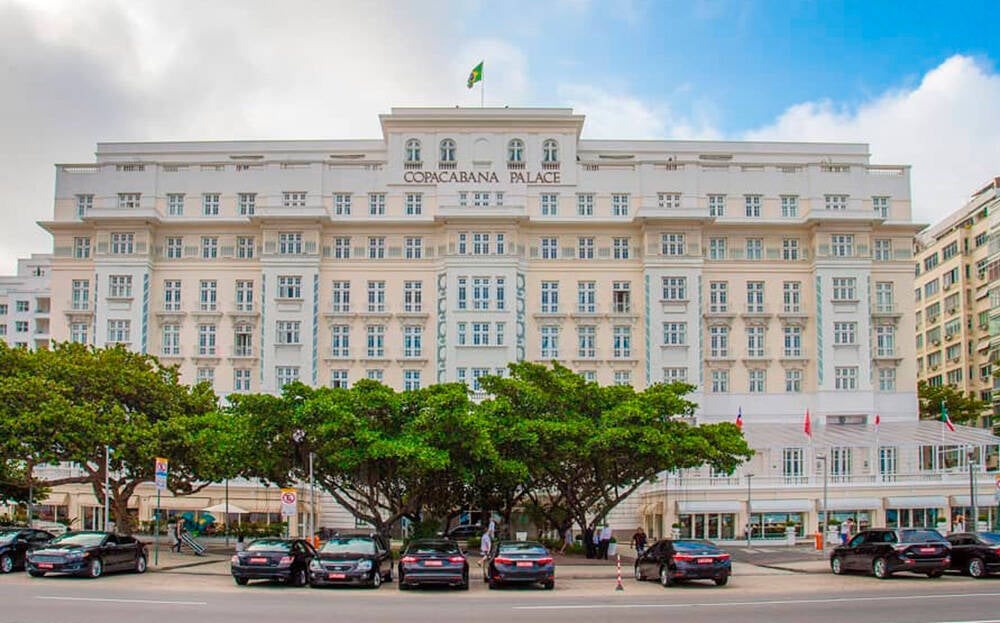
{"x": 957, "y": 477}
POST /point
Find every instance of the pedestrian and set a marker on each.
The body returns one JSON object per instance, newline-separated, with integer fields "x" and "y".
{"x": 639, "y": 541}
{"x": 178, "y": 534}
{"x": 492, "y": 528}
{"x": 959, "y": 524}
{"x": 240, "y": 545}
{"x": 485, "y": 544}
{"x": 567, "y": 539}
{"x": 845, "y": 532}
{"x": 605, "y": 542}
{"x": 589, "y": 542}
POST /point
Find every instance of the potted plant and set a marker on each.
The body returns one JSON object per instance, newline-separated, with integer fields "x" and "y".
{"x": 612, "y": 546}
{"x": 675, "y": 530}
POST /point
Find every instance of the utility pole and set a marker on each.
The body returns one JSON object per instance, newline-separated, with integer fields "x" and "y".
{"x": 749, "y": 511}
{"x": 826, "y": 507}
{"x": 972, "y": 494}
{"x": 107, "y": 484}
{"x": 312, "y": 500}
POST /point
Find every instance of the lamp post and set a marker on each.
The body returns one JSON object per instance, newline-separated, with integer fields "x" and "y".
{"x": 972, "y": 493}
{"x": 826, "y": 506}
{"x": 749, "y": 511}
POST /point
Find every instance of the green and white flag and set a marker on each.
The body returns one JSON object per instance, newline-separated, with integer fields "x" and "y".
{"x": 476, "y": 75}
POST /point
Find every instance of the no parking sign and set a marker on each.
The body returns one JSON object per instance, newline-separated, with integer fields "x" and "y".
{"x": 289, "y": 502}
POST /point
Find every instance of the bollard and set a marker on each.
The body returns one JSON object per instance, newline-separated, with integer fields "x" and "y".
{"x": 620, "y": 586}
{"x": 819, "y": 541}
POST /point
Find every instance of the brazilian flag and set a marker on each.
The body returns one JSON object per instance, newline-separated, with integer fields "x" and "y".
{"x": 476, "y": 75}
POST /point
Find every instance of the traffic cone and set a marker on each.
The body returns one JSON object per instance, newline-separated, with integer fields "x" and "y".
{"x": 620, "y": 586}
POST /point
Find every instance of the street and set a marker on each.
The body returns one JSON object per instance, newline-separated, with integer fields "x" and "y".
{"x": 166, "y": 597}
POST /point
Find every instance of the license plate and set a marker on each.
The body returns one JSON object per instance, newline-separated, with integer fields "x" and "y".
{"x": 705, "y": 561}
{"x": 258, "y": 561}
{"x": 433, "y": 563}
{"x": 45, "y": 565}
{"x": 524, "y": 564}
{"x": 337, "y": 576}
{"x": 928, "y": 550}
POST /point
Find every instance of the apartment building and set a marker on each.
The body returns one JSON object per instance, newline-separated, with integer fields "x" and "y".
{"x": 952, "y": 290}
{"x": 25, "y": 303}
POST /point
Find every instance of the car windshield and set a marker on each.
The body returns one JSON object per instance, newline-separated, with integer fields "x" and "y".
{"x": 694, "y": 546}
{"x": 80, "y": 539}
{"x": 990, "y": 538}
{"x": 348, "y": 545}
{"x": 269, "y": 545}
{"x": 432, "y": 547}
{"x": 919, "y": 536}
{"x": 522, "y": 548}
{"x": 7, "y": 536}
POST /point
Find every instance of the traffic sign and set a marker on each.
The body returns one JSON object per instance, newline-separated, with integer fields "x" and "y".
{"x": 161, "y": 473}
{"x": 996, "y": 494}
{"x": 289, "y": 502}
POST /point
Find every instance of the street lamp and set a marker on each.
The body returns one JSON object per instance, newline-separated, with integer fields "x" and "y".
{"x": 826, "y": 506}
{"x": 972, "y": 492}
{"x": 749, "y": 512}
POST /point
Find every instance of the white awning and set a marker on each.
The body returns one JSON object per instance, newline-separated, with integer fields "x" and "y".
{"x": 917, "y": 501}
{"x": 982, "y": 499}
{"x": 851, "y": 504}
{"x": 781, "y": 506}
{"x": 709, "y": 506}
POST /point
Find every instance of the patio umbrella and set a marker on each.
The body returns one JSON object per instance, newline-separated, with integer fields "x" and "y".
{"x": 223, "y": 509}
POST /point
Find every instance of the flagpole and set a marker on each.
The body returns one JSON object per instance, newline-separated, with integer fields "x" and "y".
{"x": 482, "y": 91}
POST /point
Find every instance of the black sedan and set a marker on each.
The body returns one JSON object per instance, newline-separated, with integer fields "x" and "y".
{"x": 285, "y": 560}
{"x": 975, "y": 553}
{"x": 519, "y": 562}
{"x": 671, "y": 561}
{"x": 433, "y": 561}
{"x": 885, "y": 551}
{"x": 88, "y": 554}
{"x": 15, "y": 544}
{"x": 363, "y": 560}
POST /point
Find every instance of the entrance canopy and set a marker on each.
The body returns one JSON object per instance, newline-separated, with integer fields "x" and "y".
{"x": 781, "y": 506}
{"x": 224, "y": 509}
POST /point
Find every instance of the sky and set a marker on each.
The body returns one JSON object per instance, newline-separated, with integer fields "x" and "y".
{"x": 918, "y": 81}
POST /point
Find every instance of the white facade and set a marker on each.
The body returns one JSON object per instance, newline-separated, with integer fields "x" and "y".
{"x": 25, "y": 303}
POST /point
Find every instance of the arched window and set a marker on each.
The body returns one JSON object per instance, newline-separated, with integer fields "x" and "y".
{"x": 413, "y": 150}
{"x": 550, "y": 151}
{"x": 447, "y": 150}
{"x": 515, "y": 150}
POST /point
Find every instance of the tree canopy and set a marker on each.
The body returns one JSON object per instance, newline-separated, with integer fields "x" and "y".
{"x": 962, "y": 408}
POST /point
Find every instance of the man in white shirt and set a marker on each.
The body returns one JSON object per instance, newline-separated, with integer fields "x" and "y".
{"x": 605, "y": 542}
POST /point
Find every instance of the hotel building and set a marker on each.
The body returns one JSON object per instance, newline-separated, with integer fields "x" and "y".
{"x": 775, "y": 277}
{"x": 25, "y": 303}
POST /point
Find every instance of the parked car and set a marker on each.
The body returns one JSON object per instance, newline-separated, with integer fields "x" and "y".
{"x": 344, "y": 559}
{"x": 15, "y": 544}
{"x": 885, "y": 551}
{"x": 671, "y": 561}
{"x": 519, "y": 562}
{"x": 433, "y": 561}
{"x": 975, "y": 553}
{"x": 464, "y": 532}
{"x": 90, "y": 554}
{"x": 285, "y": 560}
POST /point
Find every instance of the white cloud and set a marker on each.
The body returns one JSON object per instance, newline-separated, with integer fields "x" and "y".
{"x": 947, "y": 127}
{"x": 618, "y": 115}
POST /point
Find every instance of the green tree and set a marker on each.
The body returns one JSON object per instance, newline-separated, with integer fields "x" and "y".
{"x": 962, "y": 408}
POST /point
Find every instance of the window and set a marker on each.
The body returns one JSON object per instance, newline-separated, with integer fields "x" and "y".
{"x": 81, "y": 248}
{"x": 586, "y": 297}
{"x": 376, "y": 247}
{"x": 172, "y": 295}
{"x": 931, "y": 288}
{"x": 846, "y": 378}
{"x": 887, "y": 379}
{"x": 480, "y": 293}
{"x": 175, "y": 204}
{"x": 375, "y": 374}
{"x": 342, "y": 204}
{"x": 244, "y": 295}
{"x": 129, "y": 201}
{"x": 171, "y": 340}
{"x": 289, "y": 287}
{"x": 174, "y": 247}
{"x": 84, "y": 203}
{"x": 209, "y": 247}
{"x": 119, "y": 331}
{"x": 790, "y": 249}
{"x": 756, "y": 381}
{"x": 549, "y": 204}
{"x": 342, "y": 248}
{"x": 515, "y": 150}
{"x": 586, "y": 337}
{"x": 462, "y": 293}
{"x": 376, "y": 340}
{"x": 243, "y": 340}
{"x": 845, "y": 333}
{"x": 881, "y": 207}
{"x": 755, "y": 342}
{"x": 620, "y": 248}
{"x": 716, "y": 248}
{"x": 844, "y": 289}
{"x": 500, "y": 329}
{"x": 550, "y": 342}
{"x": 77, "y": 332}
{"x": 376, "y": 296}
{"x": 208, "y": 294}
{"x": 120, "y": 286}
{"x": 413, "y": 298}
{"x": 672, "y": 244}
{"x": 21, "y": 326}
{"x": 930, "y": 261}
{"x": 884, "y": 297}
{"x": 480, "y": 334}
{"x": 22, "y": 306}
{"x": 793, "y": 341}
{"x": 480, "y": 243}
{"x": 718, "y": 342}
{"x": 293, "y": 199}
{"x": 619, "y": 204}
{"x": 241, "y": 379}
{"x": 81, "y": 294}
{"x": 289, "y": 332}
{"x": 622, "y": 342}
{"x": 206, "y": 339}
{"x": 286, "y": 375}
{"x": 716, "y": 205}
{"x": 501, "y": 294}
{"x": 792, "y": 297}
{"x": 3, "y": 329}
{"x": 412, "y": 150}
{"x": 754, "y": 249}
{"x": 341, "y": 297}
{"x": 752, "y": 205}
{"x": 835, "y": 202}
{"x": 621, "y": 298}
{"x": 461, "y": 332}
{"x": 376, "y": 204}
{"x": 674, "y": 333}
{"x": 463, "y": 243}
{"x": 718, "y": 297}
{"x": 550, "y": 297}
{"x": 755, "y": 297}
{"x": 290, "y": 243}
{"x": 668, "y": 200}
{"x": 413, "y": 341}
{"x": 550, "y": 151}
{"x": 447, "y": 150}
{"x": 585, "y": 248}
{"x": 789, "y": 206}
{"x": 793, "y": 465}
{"x": 413, "y": 247}
{"x": 210, "y": 204}
{"x": 340, "y": 340}
{"x": 793, "y": 381}
{"x": 550, "y": 248}
{"x": 883, "y": 250}
{"x": 122, "y": 243}
{"x": 720, "y": 381}
{"x": 675, "y": 375}
{"x": 245, "y": 247}
{"x": 411, "y": 380}
{"x": 413, "y": 204}
{"x": 842, "y": 245}
{"x": 674, "y": 288}
{"x": 246, "y": 203}
{"x": 585, "y": 204}
{"x": 885, "y": 341}
{"x": 623, "y": 377}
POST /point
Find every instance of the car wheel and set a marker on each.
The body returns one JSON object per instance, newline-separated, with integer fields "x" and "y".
{"x": 464, "y": 586}
{"x": 95, "y": 569}
{"x": 549, "y": 586}
{"x": 492, "y": 585}
{"x": 837, "y": 565}
{"x": 299, "y": 578}
{"x": 377, "y": 578}
{"x": 665, "y": 579}
{"x": 403, "y": 586}
{"x": 241, "y": 581}
{"x": 6, "y": 564}
{"x": 722, "y": 580}
{"x": 36, "y": 574}
{"x": 140, "y": 564}
{"x": 880, "y": 568}
{"x": 639, "y": 577}
{"x": 935, "y": 574}
{"x": 976, "y": 568}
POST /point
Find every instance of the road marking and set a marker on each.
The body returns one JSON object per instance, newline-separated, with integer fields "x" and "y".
{"x": 772, "y": 602}
{"x": 983, "y": 621}
{"x": 125, "y": 601}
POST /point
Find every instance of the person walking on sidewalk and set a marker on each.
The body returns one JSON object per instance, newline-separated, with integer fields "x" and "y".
{"x": 485, "y": 543}
{"x": 567, "y": 539}
{"x": 605, "y": 542}
{"x": 178, "y": 535}
{"x": 639, "y": 541}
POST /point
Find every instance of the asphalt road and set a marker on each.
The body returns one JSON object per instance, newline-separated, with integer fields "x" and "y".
{"x": 187, "y": 598}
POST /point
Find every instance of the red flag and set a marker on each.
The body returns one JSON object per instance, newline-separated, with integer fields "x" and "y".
{"x": 739, "y": 418}
{"x": 878, "y": 420}
{"x": 807, "y": 425}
